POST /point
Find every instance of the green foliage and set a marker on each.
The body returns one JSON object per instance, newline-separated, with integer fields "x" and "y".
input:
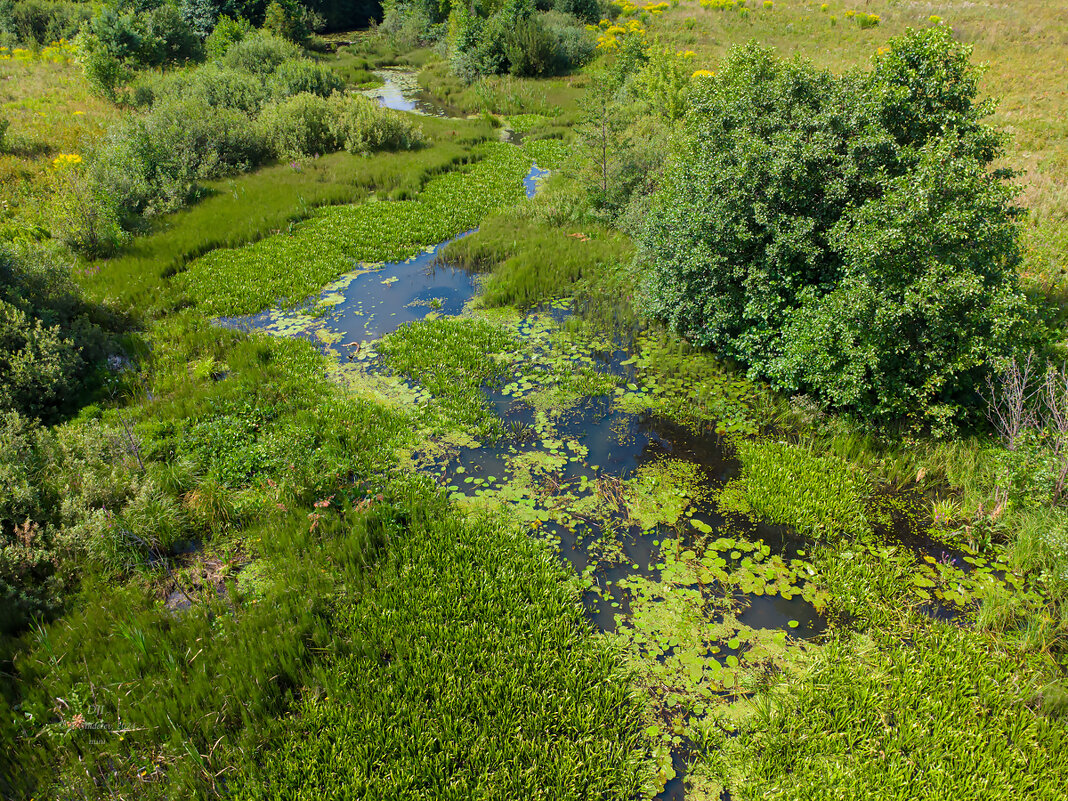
{"x": 288, "y": 20}
{"x": 453, "y": 359}
{"x": 302, "y": 75}
{"x": 4, "y": 124}
{"x": 38, "y": 23}
{"x": 841, "y": 236}
{"x": 226, "y": 32}
{"x": 113, "y": 42}
{"x": 297, "y": 126}
{"x": 517, "y": 40}
{"x": 872, "y": 713}
{"x": 151, "y": 163}
{"x": 820, "y": 496}
{"x": 336, "y": 240}
{"x": 446, "y": 636}
{"x": 44, "y": 330}
{"x": 306, "y": 124}
{"x": 103, "y": 70}
{"x": 199, "y": 126}
{"x": 532, "y": 261}
{"x": 84, "y": 215}
{"x": 283, "y": 195}
{"x": 259, "y": 53}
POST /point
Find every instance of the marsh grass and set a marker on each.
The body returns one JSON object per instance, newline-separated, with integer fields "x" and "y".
{"x": 454, "y": 359}
{"x": 554, "y": 98}
{"x": 820, "y": 496}
{"x": 281, "y": 196}
{"x": 531, "y": 262}
{"x": 288, "y": 267}
{"x": 942, "y": 712}
{"x": 440, "y": 692}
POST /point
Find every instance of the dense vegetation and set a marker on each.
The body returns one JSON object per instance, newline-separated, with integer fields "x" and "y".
{"x": 558, "y": 544}
{"x": 844, "y": 236}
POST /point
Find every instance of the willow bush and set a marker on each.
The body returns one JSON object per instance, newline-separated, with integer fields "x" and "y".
{"x": 844, "y": 236}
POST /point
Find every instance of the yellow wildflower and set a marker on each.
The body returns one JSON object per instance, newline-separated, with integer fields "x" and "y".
{"x": 64, "y": 160}
{"x": 703, "y": 74}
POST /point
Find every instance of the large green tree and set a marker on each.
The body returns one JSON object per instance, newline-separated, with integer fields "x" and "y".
{"x": 843, "y": 236}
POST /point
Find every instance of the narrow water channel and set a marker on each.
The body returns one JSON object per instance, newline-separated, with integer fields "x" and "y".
{"x": 578, "y": 463}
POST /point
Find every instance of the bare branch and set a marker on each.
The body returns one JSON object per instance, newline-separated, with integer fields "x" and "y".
{"x": 1009, "y": 402}
{"x": 1055, "y": 400}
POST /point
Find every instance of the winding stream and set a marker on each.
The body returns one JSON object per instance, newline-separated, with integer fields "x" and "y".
{"x": 696, "y": 599}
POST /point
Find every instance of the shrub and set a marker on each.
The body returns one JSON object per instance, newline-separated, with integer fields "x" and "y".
{"x": 361, "y": 126}
{"x": 517, "y": 40}
{"x": 259, "y": 53}
{"x": 214, "y": 85}
{"x": 41, "y": 22}
{"x": 306, "y": 124}
{"x": 150, "y": 164}
{"x": 287, "y": 19}
{"x": 406, "y": 27}
{"x": 103, "y": 70}
{"x": 37, "y": 364}
{"x": 84, "y": 216}
{"x": 585, "y": 10}
{"x": 227, "y": 31}
{"x": 530, "y": 49}
{"x": 45, "y": 330}
{"x": 297, "y": 126}
{"x": 303, "y": 76}
{"x": 843, "y": 236}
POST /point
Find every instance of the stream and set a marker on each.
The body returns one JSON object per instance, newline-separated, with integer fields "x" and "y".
{"x": 566, "y": 473}
{"x": 700, "y": 602}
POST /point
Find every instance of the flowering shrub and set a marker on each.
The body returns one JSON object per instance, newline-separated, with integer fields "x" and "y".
{"x": 60, "y": 52}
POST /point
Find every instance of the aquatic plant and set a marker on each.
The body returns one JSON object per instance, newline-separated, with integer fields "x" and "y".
{"x": 336, "y": 240}
{"x": 818, "y": 495}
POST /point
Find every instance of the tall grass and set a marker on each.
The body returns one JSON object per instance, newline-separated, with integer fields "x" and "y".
{"x": 250, "y": 207}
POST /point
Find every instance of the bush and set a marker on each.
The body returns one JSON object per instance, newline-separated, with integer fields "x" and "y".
{"x": 212, "y": 84}
{"x": 585, "y": 10}
{"x": 517, "y": 40}
{"x": 303, "y": 76}
{"x": 103, "y": 70}
{"x": 288, "y": 20}
{"x": 360, "y": 125}
{"x": 227, "y": 32}
{"x": 41, "y": 22}
{"x": 47, "y": 333}
{"x": 530, "y": 49}
{"x": 306, "y": 125}
{"x": 297, "y": 126}
{"x": 84, "y": 216}
{"x": 259, "y": 53}
{"x": 843, "y": 236}
{"x": 151, "y": 164}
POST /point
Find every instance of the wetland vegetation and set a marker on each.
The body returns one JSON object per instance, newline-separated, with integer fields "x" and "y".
{"x": 533, "y": 400}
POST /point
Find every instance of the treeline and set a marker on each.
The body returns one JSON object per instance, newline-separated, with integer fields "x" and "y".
{"x": 35, "y": 23}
